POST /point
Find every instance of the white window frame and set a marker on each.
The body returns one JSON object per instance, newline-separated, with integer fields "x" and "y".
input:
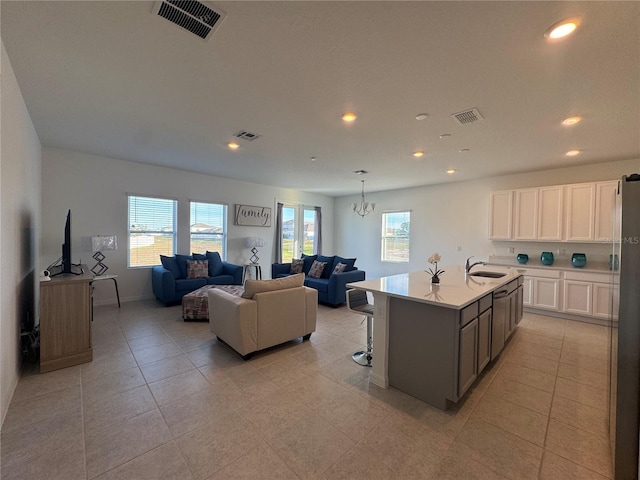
{"x": 225, "y": 208}
{"x": 173, "y": 233}
{"x": 385, "y": 237}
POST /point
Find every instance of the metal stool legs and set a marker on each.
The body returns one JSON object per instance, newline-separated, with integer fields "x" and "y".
{"x": 364, "y": 357}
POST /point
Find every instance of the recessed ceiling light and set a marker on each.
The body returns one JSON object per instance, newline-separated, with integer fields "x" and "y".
{"x": 572, "y": 120}
{"x": 451, "y": 171}
{"x": 418, "y": 153}
{"x": 572, "y": 153}
{"x": 313, "y": 159}
{"x": 464, "y": 150}
{"x": 360, "y": 172}
{"x": 562, "y": 28}
{"x": 233, "y": 145}
{"x": 445, "y": 135}
{"x": 349, "y": 116}
{"x": 421, "y": 116}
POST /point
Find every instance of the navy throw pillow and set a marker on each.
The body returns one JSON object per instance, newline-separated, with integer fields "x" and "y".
{"x": 326, "y": 272}
{"x": 215, "y": 264}
{"x": 349, "y": 262}
{"x": 182, "y": 263}
{"x": 171, "y": 264}
{"x": 308, "y": 261}
{"x": 199, "y": 256}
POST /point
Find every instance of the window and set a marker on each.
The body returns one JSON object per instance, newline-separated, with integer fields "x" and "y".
{"x": 395, "y": 236}
{"x": 152, "y": 230}
{"x": 208, "y": 228}
{"x": 299, "y": 233}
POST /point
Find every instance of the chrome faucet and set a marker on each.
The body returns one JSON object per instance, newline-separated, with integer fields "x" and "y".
{"x": 467, "y": 267}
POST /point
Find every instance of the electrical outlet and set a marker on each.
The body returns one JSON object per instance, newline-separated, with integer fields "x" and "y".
{"x": 459, "y": 248}
{"x": 512, "y": 250}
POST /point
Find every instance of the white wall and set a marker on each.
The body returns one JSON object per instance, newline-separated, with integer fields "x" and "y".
{"x": 95, "y": 189}
{"x": 20, "y": 220}
{"x": 456, "y": 214}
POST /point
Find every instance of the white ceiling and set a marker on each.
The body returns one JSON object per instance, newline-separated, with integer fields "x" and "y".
{"x": 109, "y": 78}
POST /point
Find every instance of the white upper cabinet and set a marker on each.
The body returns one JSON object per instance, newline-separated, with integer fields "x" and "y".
{"x": 580, "y": 211}
{"x": 500, "y": 215}
{"x": 607, "y": 218}
{"x": 526, "y": 214}
{"x": 550, "y": 213}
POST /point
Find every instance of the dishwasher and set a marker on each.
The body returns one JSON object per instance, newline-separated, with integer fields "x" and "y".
{"x": 504, "y": 316}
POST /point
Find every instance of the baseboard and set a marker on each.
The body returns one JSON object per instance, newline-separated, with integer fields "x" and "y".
{"x": 114, "y": 301}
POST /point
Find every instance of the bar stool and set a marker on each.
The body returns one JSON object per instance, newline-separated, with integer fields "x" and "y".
{"x": 358, "y": 302}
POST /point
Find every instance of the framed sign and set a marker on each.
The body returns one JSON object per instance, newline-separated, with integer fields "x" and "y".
{"x": 252, "y": 216}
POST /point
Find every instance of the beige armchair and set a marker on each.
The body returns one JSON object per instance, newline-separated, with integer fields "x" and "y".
{"x": 268, "y": 313}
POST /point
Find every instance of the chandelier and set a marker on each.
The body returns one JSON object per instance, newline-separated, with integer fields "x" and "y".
{"x": 365, "y": 208}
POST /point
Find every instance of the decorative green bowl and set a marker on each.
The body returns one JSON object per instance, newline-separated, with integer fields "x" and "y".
{"x": 522, "y": 258}
{"x": 578, "y": 260}
{"x": 546, "y": 258}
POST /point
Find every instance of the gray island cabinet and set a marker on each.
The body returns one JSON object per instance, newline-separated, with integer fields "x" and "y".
{"x": 432, "y": 341}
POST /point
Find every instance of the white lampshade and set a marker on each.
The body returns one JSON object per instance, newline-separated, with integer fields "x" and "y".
{"x": 104, "y": 242}
{"x": 253, "y": 242}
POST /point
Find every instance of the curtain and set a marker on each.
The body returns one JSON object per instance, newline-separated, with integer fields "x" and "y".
{"x": 318, "y": 230}
{"x": 278, "y": 240}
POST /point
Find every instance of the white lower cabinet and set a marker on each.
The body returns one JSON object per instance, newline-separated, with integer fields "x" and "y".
{"x": 546, "y": 293}
{"x": 527, "y": 291}
{"x": 578, "y": 293}
{"x": 577, "y": 297}
{"x": 603, "y": 300}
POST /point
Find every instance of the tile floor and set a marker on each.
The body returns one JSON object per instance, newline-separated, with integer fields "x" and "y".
{"x": 163, "y": 399}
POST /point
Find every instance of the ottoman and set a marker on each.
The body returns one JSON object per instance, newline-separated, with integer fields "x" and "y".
{"x": 195, "y": 305}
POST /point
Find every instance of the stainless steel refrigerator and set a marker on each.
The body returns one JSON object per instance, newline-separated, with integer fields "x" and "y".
{"x": 624, "y": 391}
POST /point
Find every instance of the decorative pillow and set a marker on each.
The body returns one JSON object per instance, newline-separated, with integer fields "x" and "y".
{"x": 215, "y": 264}
{"x": 198, "y": 256}
{"x": 339, "y": 268}
{"x": 349, "y": 262}
{"x": 182, "y": 263}
{"x": 197, "y": 268}
{"x": 296, "y": 265}
{"x": 251, "y": 287}
{"x": 171, "y": 264}
{"x": 327, "y": 270}
{"x": 316, "y": 269}
{"x": 308, "y": 261}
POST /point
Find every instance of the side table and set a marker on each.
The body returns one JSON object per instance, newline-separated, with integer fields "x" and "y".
{"x": 247, "y": 268}
{"x": 115, "y": 282}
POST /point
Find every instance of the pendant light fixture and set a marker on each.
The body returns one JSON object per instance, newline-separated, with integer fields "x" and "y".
{"x": 364, "y": 208}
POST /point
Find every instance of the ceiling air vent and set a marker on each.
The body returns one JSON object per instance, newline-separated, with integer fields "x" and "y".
{"x": 248, "y": 136}
{"x": 468, "y": 116}
{"x": 197, "y": 17}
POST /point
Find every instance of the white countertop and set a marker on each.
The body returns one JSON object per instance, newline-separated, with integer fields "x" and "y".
{"x": 456, "y": 290}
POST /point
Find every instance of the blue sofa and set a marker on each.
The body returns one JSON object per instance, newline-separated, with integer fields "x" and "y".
{"x": 170, "y": 283}
{"x": 331, "y": 287}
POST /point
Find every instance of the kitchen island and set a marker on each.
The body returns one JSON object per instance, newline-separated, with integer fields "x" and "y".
{"x": 432, "y": 341}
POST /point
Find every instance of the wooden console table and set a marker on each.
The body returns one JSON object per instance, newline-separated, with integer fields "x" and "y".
{"x": 65, "y": 320}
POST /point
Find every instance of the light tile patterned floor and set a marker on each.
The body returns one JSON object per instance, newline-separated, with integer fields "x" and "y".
{"x": 164, "y": 400}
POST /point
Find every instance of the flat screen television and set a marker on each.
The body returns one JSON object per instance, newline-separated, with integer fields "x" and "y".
{"x": 66, "y": 266}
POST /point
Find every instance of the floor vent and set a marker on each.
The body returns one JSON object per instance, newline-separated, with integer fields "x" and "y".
{"x": 468, "y": 116}
{"x": 248, "y": 136}
{"x": 197, "y": 17}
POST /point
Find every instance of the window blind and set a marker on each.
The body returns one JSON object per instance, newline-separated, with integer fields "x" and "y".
{"x": 152, "y": 230}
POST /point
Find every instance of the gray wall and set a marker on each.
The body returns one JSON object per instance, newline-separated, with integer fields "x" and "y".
{"x": 20, "y": 220}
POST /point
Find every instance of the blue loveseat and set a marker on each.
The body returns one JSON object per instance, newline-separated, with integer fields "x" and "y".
{"x": 170, "y": 283}
{"x": 332, "y": 287}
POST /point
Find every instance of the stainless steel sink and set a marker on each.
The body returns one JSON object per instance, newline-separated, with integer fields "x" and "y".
{"x": 487, "y": 274}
